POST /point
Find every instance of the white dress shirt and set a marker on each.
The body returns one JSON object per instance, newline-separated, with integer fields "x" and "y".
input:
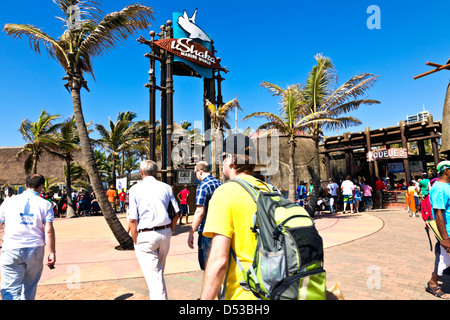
{"x": 149, "y": 200}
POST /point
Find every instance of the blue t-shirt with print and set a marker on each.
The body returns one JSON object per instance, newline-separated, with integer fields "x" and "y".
{"x": 440, "y": 199}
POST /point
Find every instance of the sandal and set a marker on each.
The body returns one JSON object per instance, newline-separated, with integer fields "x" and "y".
{"x": 436, "y": 291}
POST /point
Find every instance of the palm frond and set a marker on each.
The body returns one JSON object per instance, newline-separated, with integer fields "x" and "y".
{"x": 36, "y": 36}
{"x": 353, "y": 88}
{"x": 267, "y": 115}
{"x": 341, "y": 123}
{"x": 87, "y": 9}
{"x": 275, "y": 89}
{"x": 115, "y": 27}
{"x": 229, "y": 106}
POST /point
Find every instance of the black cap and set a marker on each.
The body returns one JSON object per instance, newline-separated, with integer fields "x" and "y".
{"x": 237, "y": 143}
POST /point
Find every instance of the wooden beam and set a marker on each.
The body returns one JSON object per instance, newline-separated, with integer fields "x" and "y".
{"x": 442, "y": 67}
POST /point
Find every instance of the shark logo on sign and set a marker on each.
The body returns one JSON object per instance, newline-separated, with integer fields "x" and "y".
{"x": 188, "y": 25}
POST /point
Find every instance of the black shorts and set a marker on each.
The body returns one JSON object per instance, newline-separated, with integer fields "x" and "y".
{"x": 183, "y": 209}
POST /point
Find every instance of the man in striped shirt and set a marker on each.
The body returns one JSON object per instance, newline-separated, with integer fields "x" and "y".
{"x": 208, "y": 184}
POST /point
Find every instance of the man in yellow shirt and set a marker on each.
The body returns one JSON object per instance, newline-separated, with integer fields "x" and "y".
{"x": 229, "y": 220}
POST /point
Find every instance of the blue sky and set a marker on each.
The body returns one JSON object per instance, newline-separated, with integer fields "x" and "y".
{"x": 257, "y": 41}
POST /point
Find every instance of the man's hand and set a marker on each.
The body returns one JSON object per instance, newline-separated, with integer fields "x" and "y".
{"x": 190, "y": 240}
{"x": 51, "y": 260}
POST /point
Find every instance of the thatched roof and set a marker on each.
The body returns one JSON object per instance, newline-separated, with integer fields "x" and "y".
{"x": 12, "y": 170}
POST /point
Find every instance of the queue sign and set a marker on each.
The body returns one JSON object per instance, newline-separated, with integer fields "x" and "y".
{"x": 386, "y": 154}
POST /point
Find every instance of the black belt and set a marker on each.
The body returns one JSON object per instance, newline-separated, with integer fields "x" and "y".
{"x": 155, "y": 228}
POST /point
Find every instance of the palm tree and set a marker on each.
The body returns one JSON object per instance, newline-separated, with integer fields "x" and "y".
{"x": 67, "y": 144}
{"x": 322, "y": 95}
{"x": 288, "y": 123}
{"x": 49, "y": 184}
{"x": 39, "y": 137}
{"x": 90, "y": 36}
{"x": 130, "y": 164}
{"x": 78, "y": 176}
{"x": 123, "y": 135}
{"x": 219, "y": 119}
{"x": 103, "y": 165}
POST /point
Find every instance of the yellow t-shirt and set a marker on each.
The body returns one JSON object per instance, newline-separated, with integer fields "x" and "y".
{"x": 230, "y": 213}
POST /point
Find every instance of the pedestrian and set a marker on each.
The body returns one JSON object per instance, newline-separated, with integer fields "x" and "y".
{"x": 151, "y": 226}
{"x": 208, "y": 184}
{"x": 28, "y": 221}
{"x": 122, "y": 198}
{"x": 412, "y": 190}
{"x": 424, "y": 185}
{"x": 112, "y": 195}
{"x": 333, "y": 188}
{"x": 379, "y": 187}
{"x": 347, "y": 187}
{"x": 301, "y": 193}
{"x": 367, "y": 195}
{"x": 230, "y": 221}
{"x": 440, "y": 202}
{"x": 184, "y": 206}
{"x": 356, "y": 195}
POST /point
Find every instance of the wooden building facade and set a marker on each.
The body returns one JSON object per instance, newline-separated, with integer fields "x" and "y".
{"x": 357, "y": 150}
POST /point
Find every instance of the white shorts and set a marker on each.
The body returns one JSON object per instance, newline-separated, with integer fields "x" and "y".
{"x": 442, "y": 261}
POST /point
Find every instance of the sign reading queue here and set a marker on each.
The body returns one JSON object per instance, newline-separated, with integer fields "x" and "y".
{"x": 383, "y": 154}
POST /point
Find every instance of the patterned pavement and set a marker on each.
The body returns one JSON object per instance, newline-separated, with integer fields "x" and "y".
{"x": 380, "y": 255}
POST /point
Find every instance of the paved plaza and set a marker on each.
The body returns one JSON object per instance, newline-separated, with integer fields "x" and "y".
{"x": 380, "y": 255}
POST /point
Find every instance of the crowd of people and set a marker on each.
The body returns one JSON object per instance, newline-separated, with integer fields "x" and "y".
{"x": 352, "y": 194}
{"x": 357, "y": 195}
{"x": 84, "y": 203}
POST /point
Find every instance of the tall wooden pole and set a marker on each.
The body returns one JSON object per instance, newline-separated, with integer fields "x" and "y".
{"x": 405, "y": 145}
{"x": 169, "y": 103}
{"x": 371, "y": 164}
{"x": 152, "y": 103}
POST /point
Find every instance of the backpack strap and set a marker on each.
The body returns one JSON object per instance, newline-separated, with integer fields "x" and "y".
{"x": 252, "y": 190}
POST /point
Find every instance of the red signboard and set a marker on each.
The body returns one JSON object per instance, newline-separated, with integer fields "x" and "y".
{"x": 192, "y": 51}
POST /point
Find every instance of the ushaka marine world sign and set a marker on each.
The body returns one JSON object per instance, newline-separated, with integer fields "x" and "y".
{"x": 192, "y": 51}
{"x": 191, "y": 45}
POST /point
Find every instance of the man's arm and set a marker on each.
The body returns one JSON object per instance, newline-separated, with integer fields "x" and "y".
{"x": 198, "y": 216}
{"x": 174, "y": 221}
{"x": 442, "y": 229}
{"x": 51, "y": 243}
{"x": 133, "y": 230}
{"x": 216, "y": 267}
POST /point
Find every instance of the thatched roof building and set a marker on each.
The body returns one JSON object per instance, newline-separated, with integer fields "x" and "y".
{"x": 12, "y": 170}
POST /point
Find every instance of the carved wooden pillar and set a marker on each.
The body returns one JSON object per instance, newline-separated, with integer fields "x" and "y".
{"x": 169, "y": 104}
{"x": 371, "y": 164}
{"x": 405, "y": 145}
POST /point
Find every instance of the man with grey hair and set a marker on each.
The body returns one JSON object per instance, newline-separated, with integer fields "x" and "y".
{"x": 151, "y": 226}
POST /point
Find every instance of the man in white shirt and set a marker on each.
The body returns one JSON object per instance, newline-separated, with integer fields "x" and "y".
{"x": 151, "y": 226}
{"x": 347, "y": 187}
{"x": 28, "y": 221}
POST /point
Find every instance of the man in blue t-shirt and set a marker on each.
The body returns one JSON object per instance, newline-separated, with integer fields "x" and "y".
{"x": 301, "y": 193}
{"x": 440, "y": 202}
